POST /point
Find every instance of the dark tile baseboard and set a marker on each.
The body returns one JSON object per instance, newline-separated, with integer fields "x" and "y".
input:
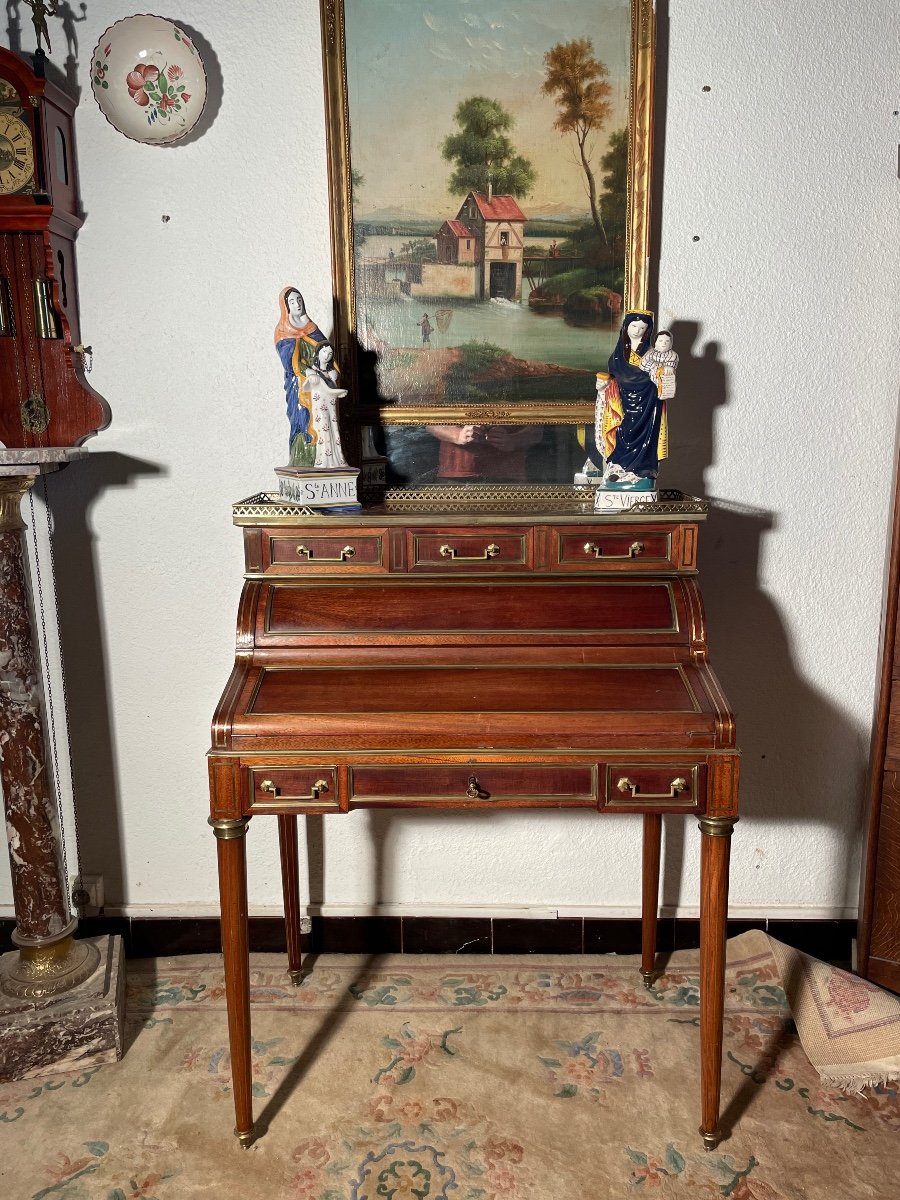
{"x": 147, "y": 937}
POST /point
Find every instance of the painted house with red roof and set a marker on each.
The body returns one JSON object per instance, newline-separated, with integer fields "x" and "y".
{"x": 499, "y": 228}
{"x": 456, "y": 243}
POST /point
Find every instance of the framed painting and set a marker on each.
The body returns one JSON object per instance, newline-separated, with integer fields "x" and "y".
{"x": 489, "y": 170}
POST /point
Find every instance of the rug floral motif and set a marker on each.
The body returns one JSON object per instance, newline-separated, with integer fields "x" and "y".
{"x": 438, "y": 1078}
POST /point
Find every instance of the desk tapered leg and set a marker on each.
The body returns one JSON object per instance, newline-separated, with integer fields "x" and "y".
{"x": 290, "y": 884}
{"x": 715, "y": 852}
{"x": 231, "y": 845}
{"x": 650, "y": 895}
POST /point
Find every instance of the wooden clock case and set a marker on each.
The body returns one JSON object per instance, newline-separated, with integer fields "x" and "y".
{"x": 46, "y": 400}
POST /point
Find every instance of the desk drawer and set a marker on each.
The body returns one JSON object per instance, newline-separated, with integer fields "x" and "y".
{"x": 336, "y": 553}
{"x": 669, "y": 786}
{"x": 593, "y": 548}
{"x": 485, "y": 549}
{"x": 465, "y": 786}
{"x": 293, "y": 789}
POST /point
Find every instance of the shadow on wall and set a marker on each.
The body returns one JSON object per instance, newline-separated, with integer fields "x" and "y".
{"x": 61, "y": 26}
{"x": 796, "y": 743}
{"x": 71, "y": 495}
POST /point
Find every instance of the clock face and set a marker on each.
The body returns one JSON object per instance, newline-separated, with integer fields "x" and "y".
{"x": 16, "y": 155}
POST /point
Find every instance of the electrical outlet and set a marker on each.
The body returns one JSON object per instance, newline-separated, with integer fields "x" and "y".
{"x": 87, "y": 892}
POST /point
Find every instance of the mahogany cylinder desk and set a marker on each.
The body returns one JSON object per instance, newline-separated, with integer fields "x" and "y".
{"x": 478, "y": 661}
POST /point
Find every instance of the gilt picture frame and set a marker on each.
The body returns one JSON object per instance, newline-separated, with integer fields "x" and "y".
{"x": 490, "y": 178}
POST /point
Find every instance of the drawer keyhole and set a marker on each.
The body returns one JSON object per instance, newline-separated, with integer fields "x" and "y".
{"x": 475, "y": 791}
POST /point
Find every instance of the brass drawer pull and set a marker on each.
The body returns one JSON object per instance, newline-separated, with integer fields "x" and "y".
{"x": 676, "y": 786}
{"x": 490, "y": 551}
{"x": 321, "y": 785}
{"x": 634, "y": 550}
{"x": 347, "y": 552}
{"x": 475, "y": 791}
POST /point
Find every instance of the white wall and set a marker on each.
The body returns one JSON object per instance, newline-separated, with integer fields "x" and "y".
{"x": 787, "y": 313}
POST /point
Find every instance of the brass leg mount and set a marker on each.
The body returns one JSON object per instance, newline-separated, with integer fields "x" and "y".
{"x": 710, "y": 1140}
{"x": 226, "y": 828}
{"x": 717, "y": 826}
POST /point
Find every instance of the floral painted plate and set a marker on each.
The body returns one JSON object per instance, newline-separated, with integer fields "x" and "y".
{"x": 148, "y": 79}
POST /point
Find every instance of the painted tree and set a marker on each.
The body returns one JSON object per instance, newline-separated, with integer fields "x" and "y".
{"x": 577, "y": 81}
{"x": 614, "y": 200}
{"x": 483, "y": 153}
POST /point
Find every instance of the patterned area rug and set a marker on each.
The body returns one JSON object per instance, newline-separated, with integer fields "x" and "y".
{"x": 438, "y": 1078}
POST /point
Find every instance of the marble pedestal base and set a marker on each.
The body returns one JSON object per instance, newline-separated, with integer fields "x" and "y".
{"x": 78, "y": 1028}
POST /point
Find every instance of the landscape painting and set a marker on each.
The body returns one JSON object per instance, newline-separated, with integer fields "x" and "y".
{"x": 488, "y": 173}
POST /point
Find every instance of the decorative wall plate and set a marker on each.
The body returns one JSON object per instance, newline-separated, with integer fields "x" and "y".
{"x": 148, "y": 79}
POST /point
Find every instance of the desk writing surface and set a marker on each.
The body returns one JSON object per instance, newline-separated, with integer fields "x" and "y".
{"x": 510, "y": 689}
{"x": 594, "y": 705}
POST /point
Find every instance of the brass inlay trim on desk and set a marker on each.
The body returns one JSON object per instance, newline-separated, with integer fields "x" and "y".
{"x": 454, "y": 756}
{"x": 532, "y": 799}
{"x": 312, "y": 800}
{"x": 681, "y": 796}
{"x": 589, "y": 557}
{"x": 491, "y": 552}
{"x": 474, "y": 791}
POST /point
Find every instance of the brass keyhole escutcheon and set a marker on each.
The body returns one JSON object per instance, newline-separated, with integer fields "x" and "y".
{"x": 475, "y": 791}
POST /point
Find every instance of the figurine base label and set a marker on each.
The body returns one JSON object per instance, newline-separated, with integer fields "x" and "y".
{"x": 325, "y": 487}
{"x": 607, "y": 500}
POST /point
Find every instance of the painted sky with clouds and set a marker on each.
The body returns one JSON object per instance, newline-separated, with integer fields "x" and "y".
{"x": 410, "y": 62}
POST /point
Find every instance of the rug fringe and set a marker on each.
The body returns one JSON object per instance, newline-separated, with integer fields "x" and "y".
{"x": 871, "y": 1075}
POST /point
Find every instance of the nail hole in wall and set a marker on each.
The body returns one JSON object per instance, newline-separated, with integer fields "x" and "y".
{"x": 696, "y": 237}
{"x": 707, "y": 88}
{"x": 166, "y": 218}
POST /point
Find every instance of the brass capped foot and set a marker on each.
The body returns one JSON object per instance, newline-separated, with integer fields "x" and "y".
{"x": 710, "y": 1140}
{"x": 246, "y": 1138}
{"x": 648, "y": 978}
{"x": 297, "y": 977}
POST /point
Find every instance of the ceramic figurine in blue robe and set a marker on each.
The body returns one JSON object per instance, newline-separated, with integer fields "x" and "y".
{"x": 631, "y": 425}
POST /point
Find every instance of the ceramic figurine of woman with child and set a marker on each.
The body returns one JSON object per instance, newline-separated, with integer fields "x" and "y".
{"x": 297, "y": 338}
{"x": 318, "y": 474}
{"x": 630, "y": 424}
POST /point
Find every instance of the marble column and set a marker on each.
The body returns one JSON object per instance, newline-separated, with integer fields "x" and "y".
{"x": 49, "y": 961}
